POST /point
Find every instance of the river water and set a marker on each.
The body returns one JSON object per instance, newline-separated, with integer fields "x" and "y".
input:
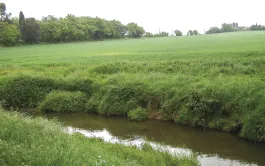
{"x": 214, "y": 148}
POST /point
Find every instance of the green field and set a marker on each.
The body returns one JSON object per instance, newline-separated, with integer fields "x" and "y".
{"x": 209, "y": 81}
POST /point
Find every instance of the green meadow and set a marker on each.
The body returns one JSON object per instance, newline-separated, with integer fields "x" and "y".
{"x": 207, "y": 81}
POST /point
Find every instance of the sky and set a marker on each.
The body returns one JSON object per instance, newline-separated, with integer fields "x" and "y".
{"x": 166, "y": 15}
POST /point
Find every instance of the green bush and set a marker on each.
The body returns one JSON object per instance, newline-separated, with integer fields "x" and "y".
{"x": 119, "y": 100}
{"x": 25, "y": 91}
{"x": 62, "y": 101}
{"x": 138, "y": 114}
{"x": 198, "y": 111}
{"x": 92, "y": 106}
{"x": 28, "y": 91}
{"x": 254, "y": 126}
{"x": 9, "y": 34}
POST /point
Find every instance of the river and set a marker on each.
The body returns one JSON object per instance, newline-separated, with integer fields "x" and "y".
{"x": 214, "y": 148}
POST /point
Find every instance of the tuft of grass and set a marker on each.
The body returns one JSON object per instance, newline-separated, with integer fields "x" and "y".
{"x": 138, "y": 114}
{"x": 62, "y": 101}
{"x": 37, "y": 141}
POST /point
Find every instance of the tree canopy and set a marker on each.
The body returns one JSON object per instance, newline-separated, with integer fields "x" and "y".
{"x": 66, "y": 29}
{"x": 134, "y": 30}
{"x": 178, "y": 33}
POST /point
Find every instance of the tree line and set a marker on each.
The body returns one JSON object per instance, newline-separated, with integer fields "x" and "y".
{"x": 72, "y": 28}
{"x": 165, "y": 34}
{"x": 68, "y": 29}
{"x": 233, "y": 27}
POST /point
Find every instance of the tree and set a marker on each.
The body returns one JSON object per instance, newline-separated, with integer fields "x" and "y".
{"x": 2, "y": 11}
{"x": 190, "y": 33}
{"x": 134, "y": 30}
{"x": 195, "y": 32}
{"x": 178, "y": 33}
{"x": 102, "y": 30}
{"x": 8, "y": 34}
{"x": 228, "y": 27}
{"x": 213, "y": 30}
{"x": 257, "y": 27}
{"x": 118, "y": 30}
{"x": 31, "y": 31}
{"x": 4, "y": 17}
{"x": 164, "y": 34}
{"x": 149, "y": 34}
{"x": 22, "y": 24}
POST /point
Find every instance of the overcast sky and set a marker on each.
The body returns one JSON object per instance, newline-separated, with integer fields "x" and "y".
{"x": 151, "y": 14}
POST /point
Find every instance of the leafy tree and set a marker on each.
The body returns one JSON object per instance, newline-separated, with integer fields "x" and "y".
{"x": 228, "y": 27}
{"x": 102, "y": 29}
{"x": 70, "y": 28}
{"x": 195, "y": 32}
{"x": 149, "y": 34}
{"x": 257, "y": 27}
{"x": 117, "y": 29}
{"x": 164, "y": 34}
{"x": 190, "y": 33}
{"x": 213, "y": 30}
{"x": 31, "y": 31}
{"x": 4, "y": 17}
{"x": 22, "y": 25}
{"x": 2, "y": 11}
{"x": 134, "y": 30}
{"x": 8, "y": 34}
{"x": 157, "y": 35}
{"x": 178, "y": 33}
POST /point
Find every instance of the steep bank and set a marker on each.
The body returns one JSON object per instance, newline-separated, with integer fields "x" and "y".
{"x": 214, "y": 107}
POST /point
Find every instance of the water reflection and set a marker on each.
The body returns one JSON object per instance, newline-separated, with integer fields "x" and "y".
{"x": 215, "y": 148}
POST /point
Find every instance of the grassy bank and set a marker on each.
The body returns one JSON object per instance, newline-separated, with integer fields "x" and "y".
{"x": 209, "y": 81}
{"x": 37, "y": 141}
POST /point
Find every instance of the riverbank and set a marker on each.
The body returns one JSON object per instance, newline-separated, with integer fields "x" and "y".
{"x": 208, "y": 81}
{"x": 211, "y": 107}
{"x": 38, "y": 141}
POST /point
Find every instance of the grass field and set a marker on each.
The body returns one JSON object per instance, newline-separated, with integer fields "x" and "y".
{"x": 210, "y": 81}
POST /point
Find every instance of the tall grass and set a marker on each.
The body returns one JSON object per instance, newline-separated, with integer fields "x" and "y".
{"x": 210, "y": 81}
{"x": 37, "y": 141}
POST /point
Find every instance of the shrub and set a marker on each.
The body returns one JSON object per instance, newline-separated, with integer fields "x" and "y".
{"x": 62, "y": 101}
{"x": 119, "y": 100}
{"x": 8, "y": 34}
{"x": 138, "y": 114}
{"x": 198, "y": 111}
{"x": 254, "y": 126}
{"x": 25, "y": 91}
{"x": 92, "y": 105}
{"x": 28, "y": 91}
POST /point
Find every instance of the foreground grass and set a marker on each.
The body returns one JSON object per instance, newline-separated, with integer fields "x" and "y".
{"x": 37, "y": 141}
{"x": 209, "y": 81}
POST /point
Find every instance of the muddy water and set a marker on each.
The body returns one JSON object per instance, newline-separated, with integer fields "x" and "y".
{"x": 214, "y": 148}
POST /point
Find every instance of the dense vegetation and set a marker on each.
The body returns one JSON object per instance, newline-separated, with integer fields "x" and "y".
{"x": 37, "y": 141}
{"x": 208, "y": 81}
{"x": 53, "y": 30}
{"x": 233, "y": 27}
